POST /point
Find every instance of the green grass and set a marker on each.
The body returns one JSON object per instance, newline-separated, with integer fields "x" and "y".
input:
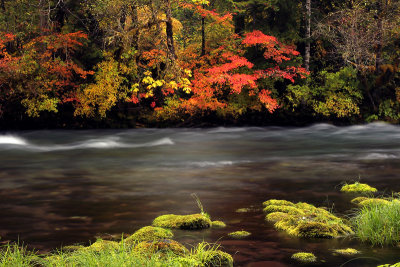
{"x": 379, "y": 224}
{"x": 204, "y": 254}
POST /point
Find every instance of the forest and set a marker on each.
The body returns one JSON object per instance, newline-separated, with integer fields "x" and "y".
{"x": 146, "y": 63}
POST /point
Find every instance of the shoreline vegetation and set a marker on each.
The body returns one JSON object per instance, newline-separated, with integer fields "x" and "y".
{"x": 197, "y": 63}
{"x": 376, "y": 221}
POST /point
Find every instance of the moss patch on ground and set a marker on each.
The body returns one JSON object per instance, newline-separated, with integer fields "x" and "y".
{"x": 184, "y": 222}
{"x": 218, "y": 224}
{"x": 239, "y": 234}
{"x": 305, "y": 220}
{"x": 347, "y": 251}
{"x": 149, "y": 233}
{"x": 358, "y": 188}
{"x": 304, "y": 257}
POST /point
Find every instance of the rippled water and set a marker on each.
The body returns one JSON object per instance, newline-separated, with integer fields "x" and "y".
{"x": 64, "y": 187}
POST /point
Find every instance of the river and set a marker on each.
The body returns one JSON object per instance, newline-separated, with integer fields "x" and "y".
{"x": 63, "y": 187}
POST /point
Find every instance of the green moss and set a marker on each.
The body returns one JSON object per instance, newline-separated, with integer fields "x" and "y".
{"x": 285, "y": 209}
{"x": 218, "y": 224}
{"x": 217, "y": 258}
{"x": 276, "y": 216}
{"x": 100, "y": 245}
{"x": 304, "y": 257}
{"x": 149, "y": 233}
{"x": 278, "y": 202}
{"x": 72, "y": 248}
{"x": 358, "y": 188}
{"x": 373, "y": 201}
{"x": 390, "y": 265}
{"x": 239, "y": 234}
{"x": 185, "y": 222}
{"x": 161, "y": 246}
{"x": 306, "y": 220}
{"x": 347, "y": 251}
{"x": 357, "y": 200}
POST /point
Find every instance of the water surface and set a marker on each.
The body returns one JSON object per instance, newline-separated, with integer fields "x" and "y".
{"x": 64, "y": 187}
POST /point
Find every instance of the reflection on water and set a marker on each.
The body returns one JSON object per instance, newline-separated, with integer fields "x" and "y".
{"x": 63, "y": 187}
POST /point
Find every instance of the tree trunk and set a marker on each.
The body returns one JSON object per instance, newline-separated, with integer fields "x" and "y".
{"x": 308, "y": 36}
{"x": 169, "y": 31}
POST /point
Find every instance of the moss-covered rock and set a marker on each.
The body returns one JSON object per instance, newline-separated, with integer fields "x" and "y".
{"x": 149, "y": 233}
{"x": 347, "y": 251}
{"x": 304, "y": 257}
{"x": 357, "y": 200}
{"x": 161, "y": 246}
{"x": 185, "y": 222}
{"x": 390, "y": 265}
{"x": 358, "y": 188}
{"x": 218, "y": 224}
{"x": 217, "y": 258}
{"x": 101, "y": 245}
{"x": 278, "y": 202}
{"x": 305, "y": 220}
{"x": 373, "y": 201}
{"x": 72, "y": 248}
{"x": 276, "y": 216}
{"x": 239, "y": 234}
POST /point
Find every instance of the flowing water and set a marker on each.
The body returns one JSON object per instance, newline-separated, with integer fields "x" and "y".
{"x": 64, "y": 187}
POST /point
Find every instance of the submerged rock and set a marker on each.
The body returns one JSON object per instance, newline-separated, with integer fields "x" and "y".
{"x": 185, "y": 222}
{"x": 304, "y": 257}
{"x": 305, "y": 220}
{"x": 347, "y": 251}
{"x": 358, "y": 188}
{"x": 218, "y": 224}
{"x": 239, "y": 234}
{"x": 149, "y": 233}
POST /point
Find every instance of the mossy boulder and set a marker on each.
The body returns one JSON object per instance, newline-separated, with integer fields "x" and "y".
{"x": 358, "y": 188}
{"x": 305, "y": 220}
{"x": 347, "y": 251}
{"x": 149, "y": 233}
{"x": 101, "y": 245}
{"x": 278, "y": 202}
{"x": 164, "y": 246}
{"x": 185, "y": 222}
{"x": 239, "y": 234}
{"x": 373, "y": 201}
{"x": 218, "y": 224}
{"x": 304, "y": 257}
{"x": 357, "y": 200}
{"x": 217, "y": 258}
{"x": 390, "y": 265}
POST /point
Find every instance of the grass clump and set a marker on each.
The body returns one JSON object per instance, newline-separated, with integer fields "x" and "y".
{"x": 304, "y": 257}
{"x": 218, "y": 224}
{"x": 239, "y": 234}
{"x": 149, "y": 233}
{"x": 13, "y": 255}
{"x": 347, "y": 251}
{"x": 305, "y": 220}
{"x": 184, "y": 222}
{"x": 379, "y": 223}
{"x": 358, "y": 188}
